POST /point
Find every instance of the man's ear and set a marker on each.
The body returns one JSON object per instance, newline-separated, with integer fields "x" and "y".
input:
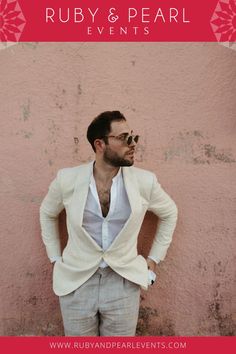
{"x": 99, "y": 145}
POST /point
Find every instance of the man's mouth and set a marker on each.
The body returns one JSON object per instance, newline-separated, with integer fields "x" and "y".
{"x": 130, "y": 153}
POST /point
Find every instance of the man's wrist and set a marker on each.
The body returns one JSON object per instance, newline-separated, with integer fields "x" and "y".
{"x": 156, "y": 260}
{"x": 151, "y": 264}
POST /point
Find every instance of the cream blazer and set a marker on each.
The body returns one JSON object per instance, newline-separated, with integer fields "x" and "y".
{"x": 82, "y": 255}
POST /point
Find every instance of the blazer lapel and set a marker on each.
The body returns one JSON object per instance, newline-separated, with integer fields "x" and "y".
{"x": 79, "y": 199}
{"x": 81, "y": 191}
{"x": 131, "y": 186}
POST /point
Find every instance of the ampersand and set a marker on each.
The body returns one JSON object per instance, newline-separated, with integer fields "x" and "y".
{"x": 112, "y": 17}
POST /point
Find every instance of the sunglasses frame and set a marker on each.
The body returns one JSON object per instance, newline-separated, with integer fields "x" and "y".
{"x": 128, "y": 139}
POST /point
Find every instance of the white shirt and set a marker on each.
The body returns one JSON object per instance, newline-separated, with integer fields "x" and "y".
{"x": 105, "y": 229}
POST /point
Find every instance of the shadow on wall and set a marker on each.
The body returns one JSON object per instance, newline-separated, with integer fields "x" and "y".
{"x": 151, "y": 324}
{"x": 63, "y": 229}
{"x": 147, "y": 234}
{"x": 34, "y": 325}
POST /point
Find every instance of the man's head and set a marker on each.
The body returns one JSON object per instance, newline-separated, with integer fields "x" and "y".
{"x": 111, "y": 139}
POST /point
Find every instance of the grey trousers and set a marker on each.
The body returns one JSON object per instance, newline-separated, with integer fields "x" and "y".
{"x": 105, "y": 305}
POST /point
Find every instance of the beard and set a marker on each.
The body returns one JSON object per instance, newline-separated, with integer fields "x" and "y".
{"x": 113, "y": 159}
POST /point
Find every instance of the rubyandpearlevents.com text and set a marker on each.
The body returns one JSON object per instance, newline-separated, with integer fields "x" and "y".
{"x": 113, "y": 21}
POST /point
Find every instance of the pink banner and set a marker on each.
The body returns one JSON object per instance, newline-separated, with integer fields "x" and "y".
{"x": 117, "y": 20}
{"x": 87, "y": 345}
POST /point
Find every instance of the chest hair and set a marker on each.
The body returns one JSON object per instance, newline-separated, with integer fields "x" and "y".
{"x": 104, "y": 198}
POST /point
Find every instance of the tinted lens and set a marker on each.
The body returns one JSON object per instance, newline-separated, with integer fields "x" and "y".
{"x": 131, "y": 137}
{"x": 129, "y": 140}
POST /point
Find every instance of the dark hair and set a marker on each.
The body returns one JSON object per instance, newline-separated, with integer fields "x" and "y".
{"x": 101, "y": 126}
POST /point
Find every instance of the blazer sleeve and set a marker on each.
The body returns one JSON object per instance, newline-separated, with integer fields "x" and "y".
{"x": 50, "y": 209}
{"x": 165, "y": 208}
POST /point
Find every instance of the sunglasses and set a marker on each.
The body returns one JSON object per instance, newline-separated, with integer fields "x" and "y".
{"x": 125, "y": 138}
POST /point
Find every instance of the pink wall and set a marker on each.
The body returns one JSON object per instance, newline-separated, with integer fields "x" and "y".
{"x": 181, "y": 99}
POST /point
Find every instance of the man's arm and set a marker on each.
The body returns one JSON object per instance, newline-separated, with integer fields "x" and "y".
{"x": 165, "y": 208}
{"x": 50, "y": 209}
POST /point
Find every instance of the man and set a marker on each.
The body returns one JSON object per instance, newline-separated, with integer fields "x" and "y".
{"x": 99, "y": 274}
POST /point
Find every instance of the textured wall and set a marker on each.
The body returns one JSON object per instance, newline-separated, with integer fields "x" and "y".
{"x": 181, "y": 99}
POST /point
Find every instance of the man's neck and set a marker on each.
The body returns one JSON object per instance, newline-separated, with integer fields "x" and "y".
{"x": 103, "y": 171}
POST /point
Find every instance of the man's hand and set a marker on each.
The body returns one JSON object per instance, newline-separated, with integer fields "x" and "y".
{"x": 151, "y": 271}
{"x": 151, "y": 264}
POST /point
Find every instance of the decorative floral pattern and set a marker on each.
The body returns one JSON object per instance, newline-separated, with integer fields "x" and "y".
{"x": 223, "y": 22}
{"x": 12, "y": 21}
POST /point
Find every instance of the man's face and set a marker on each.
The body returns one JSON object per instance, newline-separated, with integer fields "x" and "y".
{"x": 117, "y": 152}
